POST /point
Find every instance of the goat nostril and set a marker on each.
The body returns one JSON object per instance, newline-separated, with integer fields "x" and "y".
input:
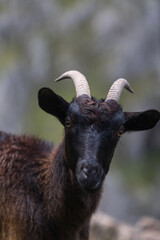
{"x": 85, "y": 170}
{"x": 95, "y": 170}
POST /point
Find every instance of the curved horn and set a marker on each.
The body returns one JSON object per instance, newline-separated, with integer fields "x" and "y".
{"x": 116, "y": 89}
{"x": 79, "y": 80}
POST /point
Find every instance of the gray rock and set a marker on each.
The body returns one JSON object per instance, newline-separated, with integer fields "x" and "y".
{"x": 104, "y": 227}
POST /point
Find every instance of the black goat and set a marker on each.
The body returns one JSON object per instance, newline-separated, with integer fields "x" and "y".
{"x": 49, "y": 193}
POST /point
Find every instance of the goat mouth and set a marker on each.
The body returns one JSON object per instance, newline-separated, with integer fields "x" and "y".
{"x": 90, "y": 185}
{"x": 90, "y": 188}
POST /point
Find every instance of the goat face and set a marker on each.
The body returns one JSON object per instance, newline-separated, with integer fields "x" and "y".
{"x": 92, "y": 130}
{"x": 91, "y": 134}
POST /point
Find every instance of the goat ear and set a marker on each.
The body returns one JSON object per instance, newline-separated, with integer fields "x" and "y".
{"x": 140, "y": 121}
{"x": 53, "y": 104}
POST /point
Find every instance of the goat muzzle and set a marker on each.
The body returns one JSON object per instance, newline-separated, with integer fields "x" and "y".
{"x": 90, "y": 175}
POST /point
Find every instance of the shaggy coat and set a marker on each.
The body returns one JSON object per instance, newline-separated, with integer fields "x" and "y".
{"x": 39, "y": 196}
{"x": 49, "y": 193}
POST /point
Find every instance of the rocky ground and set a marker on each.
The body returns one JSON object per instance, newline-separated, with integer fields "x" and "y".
{"x": 103, "y": 227}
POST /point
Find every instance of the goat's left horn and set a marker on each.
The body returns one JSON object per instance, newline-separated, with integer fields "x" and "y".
{"x": 79, "y": 80}
{"x": 116, "y": 89}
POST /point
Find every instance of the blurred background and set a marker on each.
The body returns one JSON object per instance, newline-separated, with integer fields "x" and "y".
{"x": 105, "y": 40}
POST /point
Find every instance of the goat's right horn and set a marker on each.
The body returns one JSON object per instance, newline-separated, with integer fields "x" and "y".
{"x": 116, "y": 89}
{"x": 79, "y": 80}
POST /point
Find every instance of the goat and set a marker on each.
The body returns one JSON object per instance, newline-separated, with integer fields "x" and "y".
{"x": 49, "y": 193}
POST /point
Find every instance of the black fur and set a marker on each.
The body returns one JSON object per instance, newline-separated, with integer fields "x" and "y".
{"x": 49, "y": 193}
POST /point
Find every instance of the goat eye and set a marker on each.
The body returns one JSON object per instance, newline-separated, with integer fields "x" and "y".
{"x": 120, "y": 133}
{"x": 68, "y": 124}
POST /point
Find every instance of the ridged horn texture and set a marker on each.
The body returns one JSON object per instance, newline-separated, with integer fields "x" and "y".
{"x": 80, "y": 82}
{"x": 116, "y": 89}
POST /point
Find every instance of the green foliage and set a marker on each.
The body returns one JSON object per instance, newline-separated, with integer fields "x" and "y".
{"x": 141, "y": 172}
{"x": 67, "y": 3}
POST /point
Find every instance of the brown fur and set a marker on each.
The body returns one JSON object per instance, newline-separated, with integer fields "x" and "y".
{"x": 92, "y": 109}
{"x": 39, "y": 194}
